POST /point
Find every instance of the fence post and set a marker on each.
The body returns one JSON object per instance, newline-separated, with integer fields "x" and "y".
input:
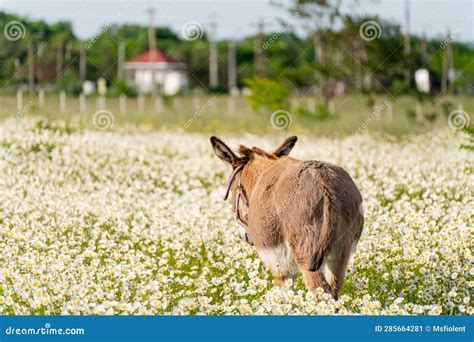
{"x": 141, "y": 103}
{"x": 41, "y": 99}
{"x": 231, "y": 106}
{"x": 215, "y": 101}
{"x": 390, "y": 112}
{"x": 294, "y": 103}
{"x": 102, "y": 103}
{"x": 19, "y": 100}
{"x": 419, "y": 112}
{"x": 178, "y": 103}
{"x": 62, "y": 101}
{"x": 123, "y": 103}
{"x": 196, "y": 103}
{"x": 376, "y": 111}
{"x": 158, "y": 103}
{"x": 331, "y": 107}
{"x": 82, "y": 103}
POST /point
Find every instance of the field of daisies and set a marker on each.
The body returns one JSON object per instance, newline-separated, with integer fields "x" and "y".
{"x": 131, "y": 221}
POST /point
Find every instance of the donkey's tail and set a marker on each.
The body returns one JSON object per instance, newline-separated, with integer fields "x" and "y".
{"x": 326, "y": 232}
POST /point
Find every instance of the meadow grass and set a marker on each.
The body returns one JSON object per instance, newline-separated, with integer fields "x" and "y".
{"x": 131, "y": 221}
{"x": 352, "y": 114}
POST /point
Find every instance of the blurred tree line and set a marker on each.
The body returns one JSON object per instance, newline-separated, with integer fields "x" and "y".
{"x": 343, "y": 57}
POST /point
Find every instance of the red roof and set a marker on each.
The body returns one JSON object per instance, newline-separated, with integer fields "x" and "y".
{"x": 147, "y": 58}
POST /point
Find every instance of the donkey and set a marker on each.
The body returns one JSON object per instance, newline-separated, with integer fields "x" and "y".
{"x": 301, "y": 216}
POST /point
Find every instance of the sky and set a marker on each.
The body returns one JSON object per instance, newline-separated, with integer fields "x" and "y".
{"x": 237, "y": 19}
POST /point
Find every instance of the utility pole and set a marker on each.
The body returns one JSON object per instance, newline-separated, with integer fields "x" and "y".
{"x": 82, "y": 63}
{"x": 68, "y": 51}
{"x": 259, "y": 53}
{"x": 451, "y": 74}
{"x": 213, "y": 57}
{"x": 406, "y": 46}
{"x": 31, "y": 70}
{"x": 318, "y": 42}
{"x": 121, "y": 60}
{"x": 406, "y": 39}
{"x": 448, "y": 67}
{"x": 358, "y": 70}
{"x": 152, "y": 46}
{"x": 59, "y": 58}
{"x": 317, "y": 45}
{"x": 424, "y": 48}
{"x": 232, "y": 64}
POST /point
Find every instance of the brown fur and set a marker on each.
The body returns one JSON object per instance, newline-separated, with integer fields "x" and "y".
{"x": 311, "y": 206}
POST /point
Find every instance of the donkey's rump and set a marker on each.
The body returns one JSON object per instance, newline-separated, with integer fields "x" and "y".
{"x": 301, "y": 212}
{"x": 307, "y": 200}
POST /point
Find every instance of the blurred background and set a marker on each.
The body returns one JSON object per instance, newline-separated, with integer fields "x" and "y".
{"x": 329, "y": 67}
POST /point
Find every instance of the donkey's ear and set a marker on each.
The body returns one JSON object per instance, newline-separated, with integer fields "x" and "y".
{"x": 285, "y": 148}
{"x": 223, "y": 151}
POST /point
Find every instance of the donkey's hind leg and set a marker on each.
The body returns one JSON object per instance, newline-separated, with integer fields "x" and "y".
{"x": 313, "y": 280}
{"x": 335, "y": 264}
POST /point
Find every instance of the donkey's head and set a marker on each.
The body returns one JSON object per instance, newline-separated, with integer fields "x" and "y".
{"x": 246, "y": 155}
{"x": 247, "y": 164}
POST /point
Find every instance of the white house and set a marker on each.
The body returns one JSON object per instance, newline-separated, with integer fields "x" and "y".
{"x": 169, "y": 74}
